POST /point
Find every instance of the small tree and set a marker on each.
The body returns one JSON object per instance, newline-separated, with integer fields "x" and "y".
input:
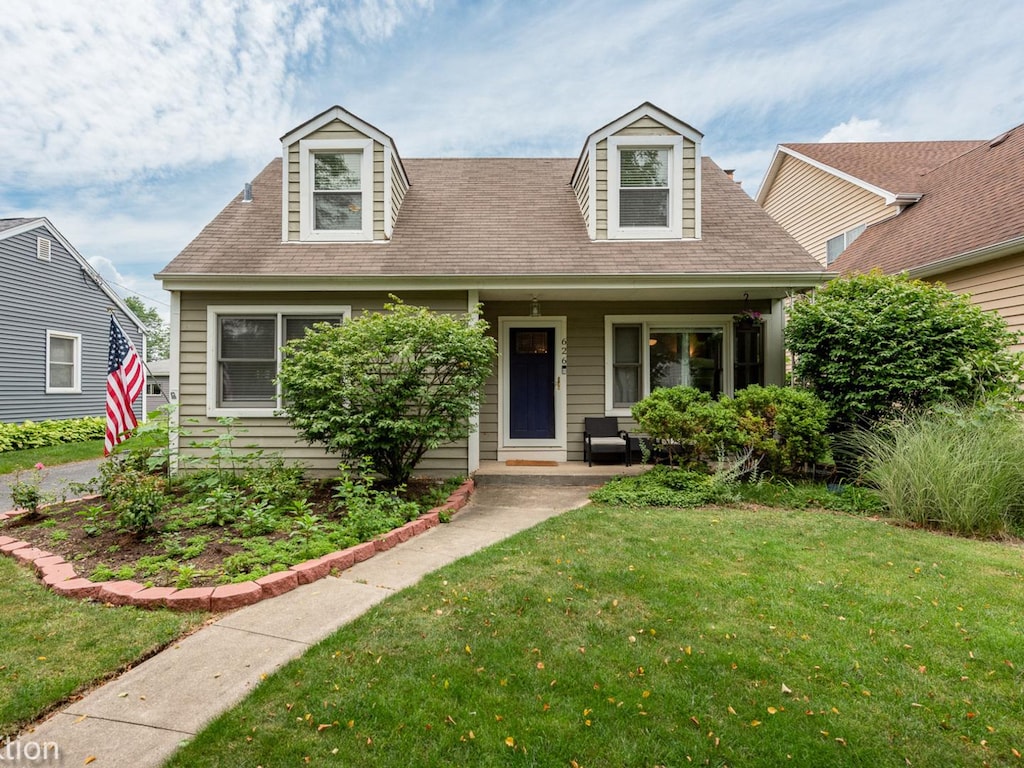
{"x": 158, "y": 336}
{"x": 875, "y": 345}
{"x": 387, "y": 385}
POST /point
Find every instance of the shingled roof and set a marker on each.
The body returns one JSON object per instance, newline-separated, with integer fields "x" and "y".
{"x": 973, "y": 202}
{"x": 894, "y": 166}
{"x": 491, "y": 218}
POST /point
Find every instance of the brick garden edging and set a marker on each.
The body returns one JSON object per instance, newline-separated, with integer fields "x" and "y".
{"x": 60, "y": 576}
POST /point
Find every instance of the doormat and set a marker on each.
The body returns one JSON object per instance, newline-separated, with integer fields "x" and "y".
{"x": 530, "y": 463}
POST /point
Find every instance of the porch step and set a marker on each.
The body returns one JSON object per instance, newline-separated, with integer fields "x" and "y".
{"x": 563, "y": 473}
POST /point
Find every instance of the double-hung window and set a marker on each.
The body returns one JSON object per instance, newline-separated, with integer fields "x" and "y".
{"x": 336, "y": 189}
{"x": 644, "y": 354}
{"x": 836, "y": 245}
{"x": 63, "y": 363}
{"x": 244, "y": 353}
{"x": 645, "y": 187}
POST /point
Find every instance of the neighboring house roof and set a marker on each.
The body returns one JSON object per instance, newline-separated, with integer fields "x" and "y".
{"x": 12, "y": 227}
{"x": 971, "y": 208}
{"x": 891, "y": 168}
{"x": 492, "y": 217}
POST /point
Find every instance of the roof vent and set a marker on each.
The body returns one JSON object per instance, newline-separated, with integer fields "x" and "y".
{"x": 999, "y": 139}
{"x": 43, "y": 248}
{"x": 247, "y": 193}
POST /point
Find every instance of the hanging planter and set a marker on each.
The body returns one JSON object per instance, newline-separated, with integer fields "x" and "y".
{"x": 747, "y": 319}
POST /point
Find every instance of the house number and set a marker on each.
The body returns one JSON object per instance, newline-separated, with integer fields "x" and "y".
{"x": 565, "y": 354}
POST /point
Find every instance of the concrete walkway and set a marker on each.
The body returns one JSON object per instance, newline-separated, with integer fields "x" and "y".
{"x": 140, "y": 718}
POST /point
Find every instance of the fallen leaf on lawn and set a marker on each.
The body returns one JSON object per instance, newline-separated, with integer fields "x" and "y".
{"x": 841, "y": 742}
{"x": 755, "y": 723}
{"x": 772, "y": 710}
{"x": 786, "y": 688}
{"x": 540, "y": 665}
{"x": 731, "y": 711}
{"x": 322, "y": 727}
{"x": 509, "y": 741}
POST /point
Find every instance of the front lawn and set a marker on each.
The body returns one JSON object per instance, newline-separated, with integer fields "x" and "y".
{"x": 661, "y": 637}
{"x": 52, "y": 647}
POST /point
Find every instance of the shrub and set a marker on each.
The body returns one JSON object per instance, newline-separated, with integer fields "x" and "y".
{"x": 688, "y": 422}
{"x": 959, "y": 469}
{"x": 874, "y": 346}
{"x": 39, "y": 434}
{"x": 664, "y": 487}
{"x": 783, "y": 426}
{"x": 389, "y": 386}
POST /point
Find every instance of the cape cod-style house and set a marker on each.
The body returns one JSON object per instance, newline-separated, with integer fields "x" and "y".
{"x": 602, "y": 277}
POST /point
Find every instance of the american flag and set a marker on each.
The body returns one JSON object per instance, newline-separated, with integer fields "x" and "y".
{"x": 125, "y": 380}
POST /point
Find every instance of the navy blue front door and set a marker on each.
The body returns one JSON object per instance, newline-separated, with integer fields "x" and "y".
{"x": 531, "y": 383}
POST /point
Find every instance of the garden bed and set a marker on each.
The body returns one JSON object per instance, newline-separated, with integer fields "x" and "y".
{"x": 232, "y": 531}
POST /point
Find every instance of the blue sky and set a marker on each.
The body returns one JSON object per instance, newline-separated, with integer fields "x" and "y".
{"x": 131, "y": 123}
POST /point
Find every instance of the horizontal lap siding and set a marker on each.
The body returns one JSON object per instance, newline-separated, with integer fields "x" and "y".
{"x": 814, "y": 206}
{"x": 274, "y": 434}
{"x": 56, "y": 295}
{"x": 996, "y": 285}
{"x": 582, "y": 190}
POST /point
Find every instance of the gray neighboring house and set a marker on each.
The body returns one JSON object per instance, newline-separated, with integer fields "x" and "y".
{"x": 54, "y": 326}
{"x": 158, "y": 383}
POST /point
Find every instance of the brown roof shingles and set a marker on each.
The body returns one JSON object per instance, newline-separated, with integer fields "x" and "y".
{"x": 895, "y": 166}
{"x": 492, "y": 217}
{"x": 971, "y": 202}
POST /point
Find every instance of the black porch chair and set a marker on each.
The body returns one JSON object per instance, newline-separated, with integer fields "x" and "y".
{"x": 601, "y": 434}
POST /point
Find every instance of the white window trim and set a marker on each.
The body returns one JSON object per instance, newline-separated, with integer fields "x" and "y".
{"x": 77, "y": 387}
{"x": 674, "y": 230}
{"x": 647, "y": 322}
{"x": 848, "y": 237}
{"x": 307, "y": 212}
{"x": 213, "y": 312}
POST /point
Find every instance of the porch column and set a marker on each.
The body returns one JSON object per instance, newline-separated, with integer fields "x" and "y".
{"x": 473, "y": 444}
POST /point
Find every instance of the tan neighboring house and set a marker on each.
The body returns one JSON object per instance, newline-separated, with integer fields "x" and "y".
{"x": 602, "y": 277}
{"x": 950, "y": 211}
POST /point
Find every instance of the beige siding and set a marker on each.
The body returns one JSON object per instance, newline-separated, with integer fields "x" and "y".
{"x": 647, "y": 126}
{"x": 585, "y": 394}
{"x": 273, "y": 433}
{"x": 814, "y": 206}
{"x": 398, "y": 186}
{"x": 336, "y": 129}
{"x": 582, "y": 190}
{"x": 996, "y": 285}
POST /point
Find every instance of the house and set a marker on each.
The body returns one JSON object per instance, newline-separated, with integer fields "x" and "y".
{"x": 949, "y": 211}
{"x": 54, "y": 326}
{"x": 158, "y": 378}
{"x": 602, "y": 277}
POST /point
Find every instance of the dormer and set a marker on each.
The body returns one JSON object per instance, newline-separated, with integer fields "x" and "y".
{"x": 343, "y": 181}
{"x": 638, "y": 178}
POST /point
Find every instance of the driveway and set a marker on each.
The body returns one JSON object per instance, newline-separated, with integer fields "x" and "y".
{"x": 56, "y": 480}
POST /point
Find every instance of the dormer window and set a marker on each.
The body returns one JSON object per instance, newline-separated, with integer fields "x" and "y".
{"x": 336, "y": 189}
{"x": 645, "y": 187}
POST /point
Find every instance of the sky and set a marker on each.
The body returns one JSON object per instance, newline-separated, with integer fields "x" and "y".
{"x": 130, "y": 124}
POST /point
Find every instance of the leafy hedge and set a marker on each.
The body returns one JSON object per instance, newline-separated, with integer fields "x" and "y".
{"x": 782, "y": 428}
{"x": 37, "y": 434}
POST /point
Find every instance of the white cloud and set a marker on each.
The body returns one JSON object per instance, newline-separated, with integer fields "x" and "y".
{"x": 856, "y": 129}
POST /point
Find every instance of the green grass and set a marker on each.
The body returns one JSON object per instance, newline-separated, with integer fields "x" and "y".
{"x": 51, "y": 647}
{"x": 622, "y": 637}
{"x": 13, "y": 461}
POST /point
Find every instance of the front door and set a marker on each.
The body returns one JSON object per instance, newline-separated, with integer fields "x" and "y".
{"x": 531, "y": 383}
{"x": 532, "y": 388}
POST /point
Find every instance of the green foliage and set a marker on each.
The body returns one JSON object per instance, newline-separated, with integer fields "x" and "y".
{"x": 370, "y": 512}
{"x": 958, "y": 469}
{"x": 38, "y": 434}
{"x": 389, "y": 386}
{"x": 781, "y": 428}
{"x": 664, "y": 487}
{"x": 27, "y": 494}
{"x": 135, "y": 497}
{"x": 158, "y": 336}
{"x": 873, "y": 346}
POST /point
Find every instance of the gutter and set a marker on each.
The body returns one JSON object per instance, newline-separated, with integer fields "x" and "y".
{"x": 969, "y": 258}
